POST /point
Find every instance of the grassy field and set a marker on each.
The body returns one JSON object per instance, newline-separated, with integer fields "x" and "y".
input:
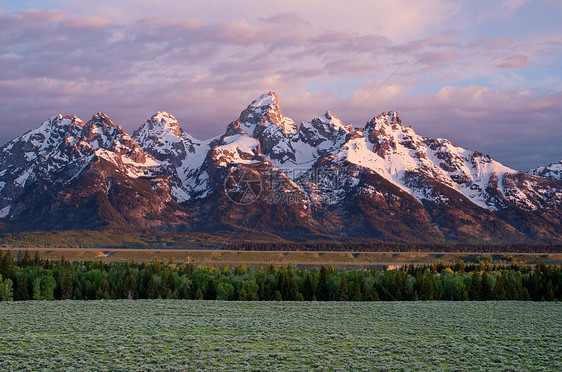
{"x": 209, "y": 335}
{"x": 340, "y": 260}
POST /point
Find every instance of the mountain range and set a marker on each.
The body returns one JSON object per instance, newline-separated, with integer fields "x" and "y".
{"x": 268, "y": 175}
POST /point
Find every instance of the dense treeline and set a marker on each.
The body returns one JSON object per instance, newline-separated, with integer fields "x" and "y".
{"x": 30, "y": 278}
{"x": 395, "y": 247}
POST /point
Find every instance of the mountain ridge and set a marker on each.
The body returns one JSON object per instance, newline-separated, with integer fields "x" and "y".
{"x": 381, "y": 181}
{"x": 552, "y": 170}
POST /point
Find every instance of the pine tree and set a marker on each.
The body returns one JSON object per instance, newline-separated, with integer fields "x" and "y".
{"x": 100, "y": 294}
{"x": 322, "y": 290}
{"x": 283, "y": 282}
{"x": 261, "y": 291}
{"x": 356, "y": 289}
{"x": 428, "y": 288}
{"x": 6, "y": 265}
{"x": 342, "y": 292}
{"x": 184, "y": 292}
{"x": 364, "y": 292}
{"x": 103, "y": 290}
{"x": 199, "y": 294}
{"x": 77, "y": 291}
{"x": 211, "y": 290}
{"x": 165, "y": 290}
{"x": 292, "y": 288}
{"x": 22, "y": 292}
{"x": 278, "y": 296}
{"x": 475, "y": 289}
{"x": 129, "y": 286}
{"x": 549, "y": 292}
{"x": 66, "y": 286}
{"x": 525, "y": 294}
{"x": 151, "y": 287}
{"x": 308, "y": 289}
{"x": 26, "y": 260}
{"x": 36, "y": 259}
{"x": 486, "y": 287}
{"x": 499, "y": 289}
{"x": 464, "y": 294}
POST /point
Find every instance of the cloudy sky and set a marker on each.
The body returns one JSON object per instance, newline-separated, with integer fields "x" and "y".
{"x": 484, "y": 74}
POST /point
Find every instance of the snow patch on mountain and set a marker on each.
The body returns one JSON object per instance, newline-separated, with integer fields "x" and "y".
{"x": 239, "y": 149}
{"x": 4, "y": 212}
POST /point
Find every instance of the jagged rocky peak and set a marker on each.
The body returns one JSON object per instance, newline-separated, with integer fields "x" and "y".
{"x": 383, "y": 125}
{"x": 56, "y": 126}
{"x": 103, "y": 120}
{"x": 552, "y": 170}
{"x": 101, "y": 132}
{"x": 264, "y": 121}
{"x": 162, "y": 123}
{"x": 41, "y": 140}
{"x": 162, "y": 137}
{"x": 332, "y": 123}
{"x": 161, "y": 126}
{"x": 386, "y": 131}
{"x": 65, "y": 120}
{"x": 266, "y": 100}
{"x": 263, "y": 110}
{"x": 386, "y": 119}
{"x": 322, "y": 128}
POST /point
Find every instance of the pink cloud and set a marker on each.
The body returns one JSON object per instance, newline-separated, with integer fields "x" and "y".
{"x": 438, "y": 57}
{"x": 517, "y": 61}
{"x": 85, "y": 22}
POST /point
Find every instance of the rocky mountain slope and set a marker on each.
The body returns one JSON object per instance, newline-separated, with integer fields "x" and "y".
{"x": 317, "y": 180}
{"x": 68, "y": 174}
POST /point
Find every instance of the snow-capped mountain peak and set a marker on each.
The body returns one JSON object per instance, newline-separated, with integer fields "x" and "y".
{"x": 165, "y": 123}
{"x": 162, "y": 137}
{"x": 101, "y": 132}
{"x": 103, "y": 120}
{"x": 264, "y": 121}
{"x": 265, "y": 111}
{"x": 266, "y": 100}
{"x": 323, "y": 134}
{"x": 333, "y": 123}
{"x": 386, "y": 120}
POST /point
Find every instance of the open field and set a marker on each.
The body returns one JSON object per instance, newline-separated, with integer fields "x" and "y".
{"x": 301, "y": 259}
{"x": 216, "y": 335}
